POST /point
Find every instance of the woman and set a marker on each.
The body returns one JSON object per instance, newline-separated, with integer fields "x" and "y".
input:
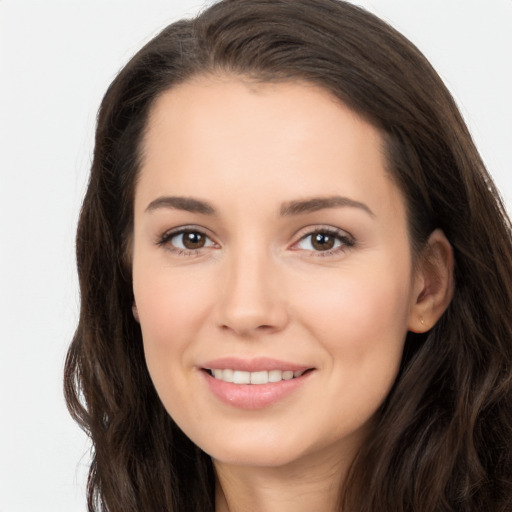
{"x": 295, "y": 276}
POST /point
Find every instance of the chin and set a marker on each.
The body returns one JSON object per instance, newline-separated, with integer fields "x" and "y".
{"x": 255, "y": 457}
{"x": 256, "y": 451}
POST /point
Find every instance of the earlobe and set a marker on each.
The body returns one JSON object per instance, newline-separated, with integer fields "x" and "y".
{"x": 135, "y": 312}
{"x": 433, "y": 283}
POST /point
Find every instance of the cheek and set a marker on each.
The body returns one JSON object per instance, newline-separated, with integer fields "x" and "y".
{"x": 169, "y": 301}
{"x": 172, "y": 308}
{"x": 362, "y": 328}
{"x": 361, "y": 321}
{"x": 354, "y": 305}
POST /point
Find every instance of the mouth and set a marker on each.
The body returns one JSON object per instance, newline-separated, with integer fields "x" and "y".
{"x": 256, "y": 378}
{"x": 254, "y": 383}
{"x": 243, "y": 389}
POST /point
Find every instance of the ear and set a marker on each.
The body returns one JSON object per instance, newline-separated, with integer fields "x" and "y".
{"x": 135, "y": 312}
{"x": 433, "y": 283}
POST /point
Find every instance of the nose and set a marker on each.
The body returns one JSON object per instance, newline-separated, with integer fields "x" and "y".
{"x": 252, "y": 299}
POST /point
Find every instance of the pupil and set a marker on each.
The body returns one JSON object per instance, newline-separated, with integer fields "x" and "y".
{"x": 193, "y": 240}
{"x": 323, "y": 242}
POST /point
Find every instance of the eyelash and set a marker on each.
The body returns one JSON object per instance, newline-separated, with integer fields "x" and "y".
{"x": 346, "y": 241}
{"x": 165, "y": 239}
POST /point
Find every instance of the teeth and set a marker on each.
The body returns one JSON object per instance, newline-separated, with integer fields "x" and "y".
{"x": 241, "y": 377}
{"x": 275, "y": 375}
{"x": 262, "y": 377}
{"x": 259, "y": 377}
{"x": 227, "y": 375}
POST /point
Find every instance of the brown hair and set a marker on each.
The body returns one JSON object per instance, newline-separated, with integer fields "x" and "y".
{"x": 443, "y": 439}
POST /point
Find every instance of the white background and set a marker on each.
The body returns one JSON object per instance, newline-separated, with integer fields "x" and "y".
{"x": 56, "y": 60}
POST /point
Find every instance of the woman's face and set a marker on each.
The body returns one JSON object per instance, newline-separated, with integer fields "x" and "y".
{"x": 269, "y": 239}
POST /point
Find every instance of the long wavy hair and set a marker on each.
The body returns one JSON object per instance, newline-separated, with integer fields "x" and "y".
{"x": 443, "y": 437}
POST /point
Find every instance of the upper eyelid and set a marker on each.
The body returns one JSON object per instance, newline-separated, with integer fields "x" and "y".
{"x": 169, "y": 233}
{"x": 309, "y": 230}
{"x": 299, "y": 235}
{"x": 163, "y": 241}
{"x": 347, "y": 240}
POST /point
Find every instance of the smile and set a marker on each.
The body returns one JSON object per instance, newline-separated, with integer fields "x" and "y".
{"x": 254, "y": 383}
{"x": 259, "y": 377}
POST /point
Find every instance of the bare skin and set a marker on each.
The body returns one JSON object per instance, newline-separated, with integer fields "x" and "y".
{"x": 268, "y": 232}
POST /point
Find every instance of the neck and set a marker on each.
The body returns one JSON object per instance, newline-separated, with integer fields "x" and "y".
{"x": 296, "y": 487}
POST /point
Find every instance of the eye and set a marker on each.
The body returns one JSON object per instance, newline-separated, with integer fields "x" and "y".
{"x": 186, "y": 241}
{"x": 326, "y": 241}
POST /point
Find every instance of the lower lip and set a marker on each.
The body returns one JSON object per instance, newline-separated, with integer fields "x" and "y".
{"x": 253, "y": 396}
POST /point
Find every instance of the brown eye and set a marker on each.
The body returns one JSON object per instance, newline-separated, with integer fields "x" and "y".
{"x": 322, "y": 241}
{"x": 325, "y": 242}
{"x": 193, "y": 240}
{"x": 186, "y": 240}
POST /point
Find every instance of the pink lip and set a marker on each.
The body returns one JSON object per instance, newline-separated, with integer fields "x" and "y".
{"x": 257, "y": 364}
{"x": 253, "y": 396}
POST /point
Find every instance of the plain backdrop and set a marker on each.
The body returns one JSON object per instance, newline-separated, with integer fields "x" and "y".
{"x": 56, "y": 60}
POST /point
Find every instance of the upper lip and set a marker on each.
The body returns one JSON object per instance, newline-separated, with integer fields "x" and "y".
{"x": 257, "y": 364}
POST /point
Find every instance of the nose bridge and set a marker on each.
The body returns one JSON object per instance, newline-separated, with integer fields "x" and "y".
{"x": 251, "y": 298}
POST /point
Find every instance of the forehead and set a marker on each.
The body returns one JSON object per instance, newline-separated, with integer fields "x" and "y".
{"x": 281, "y": 139}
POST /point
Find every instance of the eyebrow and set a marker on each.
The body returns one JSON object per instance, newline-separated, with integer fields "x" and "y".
{"x": 290, "y": 208}
{"x": 187, "y": 204}
{"x": 320, "y": 203}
